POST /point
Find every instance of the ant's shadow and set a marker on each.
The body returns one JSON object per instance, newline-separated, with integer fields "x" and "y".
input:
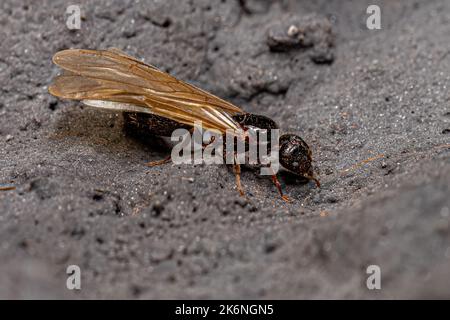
{"x": 284, "y": 176}
{"x": 291, "y": 179}
{"x": 106, "y": 132}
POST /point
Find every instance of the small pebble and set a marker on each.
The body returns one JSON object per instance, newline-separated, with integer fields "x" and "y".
{"x": 292, "y": 31}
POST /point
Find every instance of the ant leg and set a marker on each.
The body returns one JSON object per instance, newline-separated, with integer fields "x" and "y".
{"x": 159, "y": 162}
{"x": 278, "y": 185}
{"x": 237, "y": 172}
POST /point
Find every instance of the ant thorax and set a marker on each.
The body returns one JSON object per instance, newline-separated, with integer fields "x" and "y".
{"x": 248, "y": 146}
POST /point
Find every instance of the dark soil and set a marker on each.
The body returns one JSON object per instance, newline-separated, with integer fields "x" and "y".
{"x": 374, "y": 105}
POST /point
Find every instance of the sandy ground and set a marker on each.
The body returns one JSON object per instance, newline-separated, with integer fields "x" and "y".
{"x": 374, "y": 105}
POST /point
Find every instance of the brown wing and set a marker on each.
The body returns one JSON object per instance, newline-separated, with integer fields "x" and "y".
{"x": 112, "y": 79}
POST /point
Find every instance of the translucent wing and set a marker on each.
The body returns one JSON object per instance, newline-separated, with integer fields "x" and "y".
{"x": 113, "y": 80}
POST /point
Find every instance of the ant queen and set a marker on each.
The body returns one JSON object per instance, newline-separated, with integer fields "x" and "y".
{"x": 158, "y": 103}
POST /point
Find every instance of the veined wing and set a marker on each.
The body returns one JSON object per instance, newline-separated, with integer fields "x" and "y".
{"x": 111, "y": 79}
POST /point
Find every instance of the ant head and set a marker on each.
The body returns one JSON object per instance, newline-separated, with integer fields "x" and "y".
{"x": 295, "y": 156}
